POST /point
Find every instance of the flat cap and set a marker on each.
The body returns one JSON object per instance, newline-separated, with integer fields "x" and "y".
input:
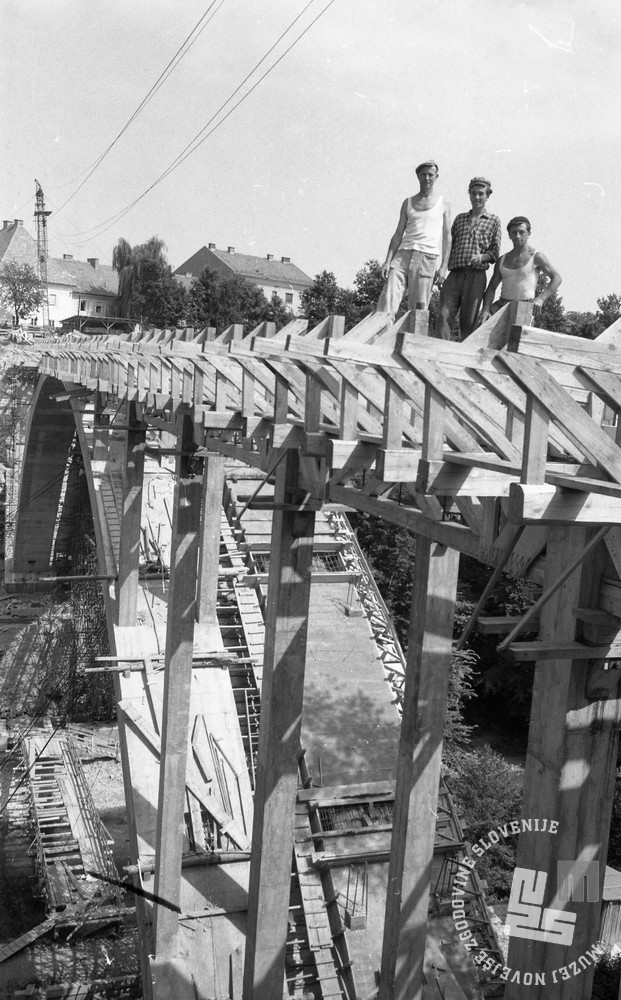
{"x": 427, "y": 163}
{"x": 482, "y": 181}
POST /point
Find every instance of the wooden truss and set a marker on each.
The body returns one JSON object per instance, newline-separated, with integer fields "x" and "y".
{"x": 504, "y": 448}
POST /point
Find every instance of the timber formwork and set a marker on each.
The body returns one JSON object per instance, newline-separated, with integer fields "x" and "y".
{"x": 505, "y": 449}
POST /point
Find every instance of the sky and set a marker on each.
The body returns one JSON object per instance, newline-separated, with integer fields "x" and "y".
{"x": 315, "y": 162}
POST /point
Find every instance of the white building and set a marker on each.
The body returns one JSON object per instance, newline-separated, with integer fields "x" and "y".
{"x": 75, "y": 287}
{"x": 279, "y": 277}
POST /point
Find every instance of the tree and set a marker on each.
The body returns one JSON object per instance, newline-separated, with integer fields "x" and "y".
{"x": 322, "y": 298}
{"x": 551, "y": 316}
{"x": 20, "y": 289}
{"x": 391, "y": 553}
{"x": 582, "y": 324}
{"x": 608, "y": 310}
{"x": 215, "y": 300}
{"x": 147, "y": 290}
{"x": 369, "y": 282}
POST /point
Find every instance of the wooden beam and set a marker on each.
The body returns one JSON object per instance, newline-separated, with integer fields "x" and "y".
{"x": 566, "y": 412}
{"x": 543, "y": 504}
{"x": 176, "y": 698}
{"x": 209, "y": 555}
{"x": 569, "y": 570}
{"x": 445, "y": 532}
{"x": 418, "y": 770}
{"x": 568, "y": 650}
{"x": 569, "y": 779}
{"x": 288, "y": 598}
{"x": 129, "y": 545}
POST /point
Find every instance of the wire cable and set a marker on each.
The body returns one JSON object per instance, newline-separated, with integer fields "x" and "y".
{"x": 181, "y": 52}
{"x": 107, "y": 224}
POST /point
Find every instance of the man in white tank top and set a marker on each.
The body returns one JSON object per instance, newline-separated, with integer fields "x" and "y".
{"x": 519, "y": 271}
{"x": 419, "y": 248}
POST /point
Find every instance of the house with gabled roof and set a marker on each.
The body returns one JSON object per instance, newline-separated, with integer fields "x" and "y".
{"x": 273, "y": 277}
{"x": 75, "y": 287}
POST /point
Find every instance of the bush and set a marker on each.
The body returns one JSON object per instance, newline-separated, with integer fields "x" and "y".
{"x": 607, "y": 978}
{"x": 488, "y": 793}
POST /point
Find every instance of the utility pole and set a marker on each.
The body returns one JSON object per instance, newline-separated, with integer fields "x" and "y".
{"x": 41, "y": 217}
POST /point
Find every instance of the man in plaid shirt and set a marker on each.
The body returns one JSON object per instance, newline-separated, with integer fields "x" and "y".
{"x": 476, "y": 245}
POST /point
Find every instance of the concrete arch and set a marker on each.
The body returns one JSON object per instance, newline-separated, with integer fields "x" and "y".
{"x": 49, "y": 433}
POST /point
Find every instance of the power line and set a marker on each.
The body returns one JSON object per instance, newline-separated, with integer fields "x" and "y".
{"x": 192, "y": 146}
{"x": 172, "y": 65}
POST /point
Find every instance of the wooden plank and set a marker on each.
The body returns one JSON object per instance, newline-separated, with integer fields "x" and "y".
{"x": 176, "y": 697}
{"x": 281, "y": 716}
{"x": 445, "y": 532}
{"x": 559, "y": 650}
{"x": 468, "y": 410}
{"x": 570, "y": 770}
{"x": 545, "y": 504}
{"x": 418, "y": 771}
{"x": 568, "y": 414}
{"x": 209, "y": 551}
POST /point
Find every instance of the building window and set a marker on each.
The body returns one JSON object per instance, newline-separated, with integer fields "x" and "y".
{"x": 51, "y": 298}
{"x": 98, "y": 308}
{"x": 82, "y": 305}
{"x": 288, "y": 298}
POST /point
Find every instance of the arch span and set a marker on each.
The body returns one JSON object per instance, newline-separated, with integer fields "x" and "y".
{"x": 49, "y": 433}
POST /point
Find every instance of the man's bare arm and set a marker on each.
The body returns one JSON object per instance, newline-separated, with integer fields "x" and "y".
{"x": 447, "y": 242}
{"x": 490, "y": 292}
{"x": 397, "y": 236}
{"x": 543, "y": 264}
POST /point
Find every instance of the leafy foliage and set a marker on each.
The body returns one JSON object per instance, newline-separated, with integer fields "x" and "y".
{"x": 488, "y": 793}
{"x": 391, "y": 553}
{"x": 608, "y": 310}
{"x": 607, "y": 978}
{"x": 20, "y": 288}
{"x": 215, "y": 300}
{"x": 147, "y": 290}
{"x": 503, "y": 687}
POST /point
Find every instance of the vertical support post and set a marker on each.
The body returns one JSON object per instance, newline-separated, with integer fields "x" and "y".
{"x": 286, "y": 627}
{"x": 569, "y": 779}
{"x": 101, "y": 431}
{"x": 176, "y": 701}
{"x": 209, "y": 557}
{"x": 129, "y": 548}
{"x": 420, "y": 748}
{"x": 535, "y": 453}
{"x": 418, "y": 770}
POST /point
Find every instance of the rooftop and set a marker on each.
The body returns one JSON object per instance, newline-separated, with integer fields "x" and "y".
{"x": 259, "y": 269}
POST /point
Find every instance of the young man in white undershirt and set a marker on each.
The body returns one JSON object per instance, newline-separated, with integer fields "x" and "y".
{"x": 420, "y": 246}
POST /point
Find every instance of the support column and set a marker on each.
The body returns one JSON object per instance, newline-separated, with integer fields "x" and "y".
{"x": 569, "y": 779}
{"x": 101, "y": 431}
{"x": 129, "y": 548}
{"x": 418, "y": 770}
{"x": 209, "y": 560}
{"x": 176, "y": 703}
{"x": 286, "y": 628}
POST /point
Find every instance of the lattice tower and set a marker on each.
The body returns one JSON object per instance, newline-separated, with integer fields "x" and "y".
{"x": 41, "y": 216}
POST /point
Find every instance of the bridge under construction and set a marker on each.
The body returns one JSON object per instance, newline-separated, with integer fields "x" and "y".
{"x": 289, "y": 831}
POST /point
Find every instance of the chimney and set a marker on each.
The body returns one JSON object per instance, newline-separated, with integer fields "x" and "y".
{"x": 93, "y": 261}
{"x": 18, "y": 222}
{"x": 285, "y": 260}
{"x": 6, "y": 224}
{"x": 270, "y": 256}
{"x": 67, "y": 256}
{"x": 230, "y": 249}
{"x": 211, "y": 246}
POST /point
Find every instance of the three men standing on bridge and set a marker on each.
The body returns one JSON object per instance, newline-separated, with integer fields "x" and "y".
{"x": 425, "y": 245}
